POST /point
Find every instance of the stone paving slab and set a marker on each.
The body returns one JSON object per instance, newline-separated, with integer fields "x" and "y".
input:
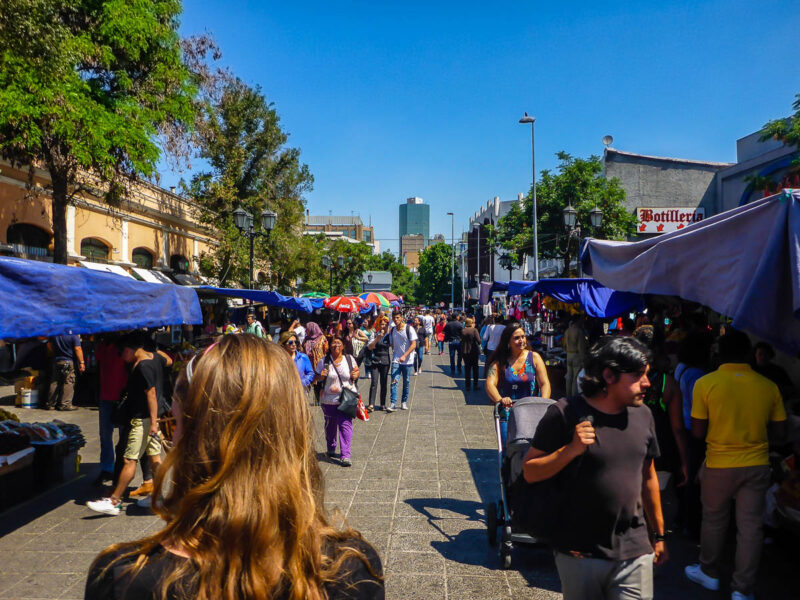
{"x": 417, "y": 491}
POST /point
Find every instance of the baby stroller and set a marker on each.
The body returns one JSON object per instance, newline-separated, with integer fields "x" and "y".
{"x": 522, "y": 422}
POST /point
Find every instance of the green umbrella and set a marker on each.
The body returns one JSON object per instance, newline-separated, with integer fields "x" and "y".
{"x": 315, "y": 295}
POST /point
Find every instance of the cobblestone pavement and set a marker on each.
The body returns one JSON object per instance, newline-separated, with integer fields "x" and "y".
{"x": 417, "y": 489}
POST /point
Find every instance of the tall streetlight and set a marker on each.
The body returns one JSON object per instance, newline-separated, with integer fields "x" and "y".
{"x": 461, "y": 248}
{"x": 246, "y": 226}
{"x": 452, "y": 261}
{"x": 528, "y": 119}
{"x": 570, "y": 216}
{"x": 328, "y": 264}
{"x": 505, "y": 262}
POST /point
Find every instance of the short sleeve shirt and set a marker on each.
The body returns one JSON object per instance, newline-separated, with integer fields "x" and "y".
{"x": 64, "y": 347}
{"x": 333, "y": 384}
{"x": 401, "y": 340}
{"x": 145, "y": 375}
{"x": 602, "y": 489}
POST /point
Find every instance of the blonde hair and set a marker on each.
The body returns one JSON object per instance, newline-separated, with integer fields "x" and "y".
{"x": 246, "y": 496}
{"x": 469, "y": 322}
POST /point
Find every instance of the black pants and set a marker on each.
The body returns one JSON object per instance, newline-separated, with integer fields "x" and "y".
{"x": 455, "y": 356}
{"x": 378, "y": 373}
{"x": 471, "y": 366}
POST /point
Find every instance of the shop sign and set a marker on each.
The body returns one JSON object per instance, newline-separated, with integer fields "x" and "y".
{"x": 663, "y": 220}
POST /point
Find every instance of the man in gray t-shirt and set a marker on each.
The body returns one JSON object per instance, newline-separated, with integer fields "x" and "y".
{"x": 403, "y": 339}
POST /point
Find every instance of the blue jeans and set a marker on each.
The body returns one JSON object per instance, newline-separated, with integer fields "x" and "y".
{"x": 420, "y": 352}
{"x": 455, "y": 356}
{"x": 397, "y": 369}
{"x": 106, "y": 436}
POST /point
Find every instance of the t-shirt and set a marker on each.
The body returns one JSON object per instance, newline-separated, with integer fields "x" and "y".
{"x": 113, "y": 374}
{"x": 64, "y": 347}
{"x": 738, "y": 404}
{"x": 332, "y": 387}
{"x": 452, "y": 331}
{"x": 687, "y": 377}
{"x": 493, "y": 333}
{"x": 357, "y": 583}
{"x": 147, "y": 373}
{"x": 602, "y": 489}
{"x": 428, "y": 321}
{"x": 401, "y": 340}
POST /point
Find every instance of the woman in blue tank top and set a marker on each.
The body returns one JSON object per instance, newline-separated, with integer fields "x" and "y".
{"x": 515, "y": 372}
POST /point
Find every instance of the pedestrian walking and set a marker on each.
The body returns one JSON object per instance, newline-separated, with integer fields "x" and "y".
{"x": 422, "y": 340}
{"x": 288, "y": 341}
{"x": 514, "y": 372}
{"x": 574, "y": 342}
{"x": 452, "y": 335}
{"x": 113, "y": 379}
{"x": 599, "y": 447}
{"x": 403, "y": 339}
{"x": 440, "y": 334}
{"x": 471, "y": 353}
{"x": 66, "y": 350}
{"x": 379, "y": 354}
{"x": 254, "y": 326}
{"x": 737, "y": 412}
{"x": 337, "y": 371}
{"x": 227, "y": 517}
{"x": 315, "y": 347}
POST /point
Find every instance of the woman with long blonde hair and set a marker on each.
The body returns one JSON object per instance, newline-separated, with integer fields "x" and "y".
{"x": 244, "y": 513}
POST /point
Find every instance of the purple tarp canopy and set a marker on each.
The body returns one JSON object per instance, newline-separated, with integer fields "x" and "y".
{"x": 743, "y": 263}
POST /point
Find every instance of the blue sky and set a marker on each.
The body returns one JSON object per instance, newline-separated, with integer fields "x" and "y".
{"x": 390, "y": 100}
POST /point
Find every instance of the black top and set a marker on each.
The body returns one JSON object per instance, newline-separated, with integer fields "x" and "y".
{"x": 381, "y": 353}
{"x": 601, "y": 490}
{"x": 357, "y": 584}
{"x": 422, "y": 335}
{"x": 146, "y": 374}
{"x": 452, "y": 331}
{"x": 470, "y": 342}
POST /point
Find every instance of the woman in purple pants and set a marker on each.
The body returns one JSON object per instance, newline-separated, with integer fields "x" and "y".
{"x": 337, "y": 371}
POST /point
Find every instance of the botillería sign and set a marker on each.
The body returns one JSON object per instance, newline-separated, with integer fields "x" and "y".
{"x": 662, "y": 220}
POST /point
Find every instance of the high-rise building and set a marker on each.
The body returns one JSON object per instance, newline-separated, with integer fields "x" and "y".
{"x": 415, "y": 218}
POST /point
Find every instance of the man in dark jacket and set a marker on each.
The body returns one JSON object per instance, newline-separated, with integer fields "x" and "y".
{"x": 452, "y": 335}
{"x": 471, "y": 353}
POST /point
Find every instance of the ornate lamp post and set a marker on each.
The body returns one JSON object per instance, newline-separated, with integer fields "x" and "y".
{"x": 246, "y": 226}
{"x": 570, "y": 216}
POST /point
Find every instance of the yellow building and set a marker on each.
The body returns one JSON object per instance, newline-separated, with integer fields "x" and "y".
{"x": 151, "y": 232}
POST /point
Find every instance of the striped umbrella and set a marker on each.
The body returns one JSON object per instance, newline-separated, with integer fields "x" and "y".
{"x": 376, "y": 299}
{"x": 391, "y": 297}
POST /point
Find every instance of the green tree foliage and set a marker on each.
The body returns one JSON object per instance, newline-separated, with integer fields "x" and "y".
{"x": 787, "y": 131}
{"x": 87, "y": 85}
{"x": 403, "y": 280}
{"x": 435, "y": 271}
{"x": 251, "y": 167}
{"x": 578, "y": 182}
{"x": 346, "y": 279}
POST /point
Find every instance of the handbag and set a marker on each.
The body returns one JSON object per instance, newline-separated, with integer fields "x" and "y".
{"x": 348, "y": 399}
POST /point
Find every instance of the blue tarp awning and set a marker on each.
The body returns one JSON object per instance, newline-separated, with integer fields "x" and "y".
{"x": 743, "y": 263}
{"x": 595, "y": 299}
{"x": 266, "y": 297}
{"x": 44, "y": 299}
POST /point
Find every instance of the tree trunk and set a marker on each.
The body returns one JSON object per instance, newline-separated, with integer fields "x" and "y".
{"x": 60, "y": 251}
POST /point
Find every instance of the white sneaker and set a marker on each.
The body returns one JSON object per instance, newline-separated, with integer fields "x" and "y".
{"x": 105, "y": 506}
{"x": 145, "y": 502}
{"x": 404, "y": 406}
{"x": 695, "y": 573}
{"x": 741, "y": 596}
{"x": 391, "y": 408}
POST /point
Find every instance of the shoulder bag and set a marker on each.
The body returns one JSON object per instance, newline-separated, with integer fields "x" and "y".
{"x": 348, "y": 399}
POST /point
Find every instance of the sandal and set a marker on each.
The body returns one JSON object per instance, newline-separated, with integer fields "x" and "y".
{"x": 371, "y": 408}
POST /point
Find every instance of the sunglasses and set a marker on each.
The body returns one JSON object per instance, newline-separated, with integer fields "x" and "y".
{"x": 290, "y": 343}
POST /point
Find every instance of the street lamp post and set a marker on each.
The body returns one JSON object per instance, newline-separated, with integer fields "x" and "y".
{"x": 570, "y": 216}
{"x": 505, "y": 262}
{"x": 528, "y": 119}
{"x": 463, "y": 278}
{"x": 246, "y": 226}
{"x": 452, "y": 261}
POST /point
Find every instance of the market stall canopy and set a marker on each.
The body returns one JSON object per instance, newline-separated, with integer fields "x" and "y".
{"x": 106, "y": 268}
{"x": 314, "y": 295}
{"x": 376, "y": 299}
{"x": 267, "y": 297}
{"x": 43, "y": 299}
{"x": 391, "y": 297}
{"x": 743, "y": 263}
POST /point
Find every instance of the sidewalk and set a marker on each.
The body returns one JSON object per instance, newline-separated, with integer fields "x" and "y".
{"x": 417, "y": 489}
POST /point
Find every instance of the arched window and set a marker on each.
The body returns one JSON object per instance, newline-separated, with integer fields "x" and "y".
{"x": 95, "y": 250}
{"x": 142, "y": 258}
{"x": 179, "y": 263}
{"x": 29, "y": 241}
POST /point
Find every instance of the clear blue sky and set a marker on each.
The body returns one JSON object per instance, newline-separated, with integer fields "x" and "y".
{"x": 391, "y": 100}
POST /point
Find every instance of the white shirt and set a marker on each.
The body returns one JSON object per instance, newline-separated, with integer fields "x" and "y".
{"x": 300, "y": 332}
{"x": 332, "y": 388}
{"x": 493, "y": 333}
{"x": 400, "y": 343}
{"x": 428, "y": 321}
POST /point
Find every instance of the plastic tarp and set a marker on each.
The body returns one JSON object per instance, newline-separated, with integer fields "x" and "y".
{"x": 115, "y": 269}
{"x": 152, "y": 276}
{"x": 43, "y": 299}
{"x": 743, "y": 263}
{"x": 595, "y": 299}
{"x": 266, "y": 297}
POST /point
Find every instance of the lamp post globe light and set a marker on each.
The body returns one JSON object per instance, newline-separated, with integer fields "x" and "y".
{"x": 526, "y": 118}
{"x": 505, "y": 263}
{"x": 243, "y": 221}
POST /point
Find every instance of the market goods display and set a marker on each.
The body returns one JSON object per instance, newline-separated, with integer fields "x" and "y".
{"x": 8, "y": 416}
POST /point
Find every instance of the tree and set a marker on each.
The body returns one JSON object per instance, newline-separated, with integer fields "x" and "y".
{"x": 251, "y": 167}
{"x": 578, "y": 182}
{"x": 87, "y": 86}
{"x": 788, "y": 131}
{"x": 403, "y": 280}
{"x": 435, "y": 273}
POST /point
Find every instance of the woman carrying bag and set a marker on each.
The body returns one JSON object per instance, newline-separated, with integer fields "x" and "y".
{"x": 338, "y": 372}
{"x": 380, "y": 359}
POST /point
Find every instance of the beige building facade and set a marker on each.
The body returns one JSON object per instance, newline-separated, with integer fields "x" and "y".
{"x": 150, "y": 230}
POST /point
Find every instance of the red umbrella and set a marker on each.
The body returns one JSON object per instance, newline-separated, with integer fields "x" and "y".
{"x": 391, "y": 297}
{"x": 342, "y": 303}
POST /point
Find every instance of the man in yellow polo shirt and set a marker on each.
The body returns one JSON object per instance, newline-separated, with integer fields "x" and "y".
{"x": 736, "y": 411}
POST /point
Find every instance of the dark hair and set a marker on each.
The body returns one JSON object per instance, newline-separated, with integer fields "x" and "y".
{"x": 645, "y": 334}
{"x": 619, "y": 354}
{"x": 135, "y": 340}
{"x": 695, "y": 349}
{"x": 734, "y": 346}
{"x": 767, "y": 348}
{"x": 502, "y": 353}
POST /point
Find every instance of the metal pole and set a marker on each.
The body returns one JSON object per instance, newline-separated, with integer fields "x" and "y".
{"x": 452, "y": 262}
{"x": 463, "y": 293}
{"x": 330, "y": 281}
{"x": 535, "y": 219}
{"x": 252, "y": 250}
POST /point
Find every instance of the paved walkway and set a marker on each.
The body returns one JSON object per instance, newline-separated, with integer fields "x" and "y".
{"x": 417, "y": 489}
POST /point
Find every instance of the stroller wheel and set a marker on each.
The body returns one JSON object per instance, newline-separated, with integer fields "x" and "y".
{"x": 506, "y": 547}
{"x": 491, "y": 523}
{"x": 501, "y": 513}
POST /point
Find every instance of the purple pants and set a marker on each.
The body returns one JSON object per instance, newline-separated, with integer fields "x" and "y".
{"x": 336, "y": 420}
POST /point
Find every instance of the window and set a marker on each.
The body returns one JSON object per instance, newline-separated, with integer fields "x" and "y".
{"x": 95, "y": 250}
{"x": 367, "y": 236}
{"x": 142, "y": 258}
{"x": 29, "y": 241}
{"x": 179, "y": 263}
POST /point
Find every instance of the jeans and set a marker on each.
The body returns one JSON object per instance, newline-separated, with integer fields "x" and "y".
{"x": 600, "y": 579}
{"x": 441, "y": 346}
{"x": 418, "y": 358}
{"x": 379, "y": 374}
{"x": 337, "y": 422}
{"x": 106, "y": 436}
{"x": 471, "y": 371}
{"x": 455, "y": 356}
{"x": 719, "y": 488}
{"x": 397, "y": 370}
